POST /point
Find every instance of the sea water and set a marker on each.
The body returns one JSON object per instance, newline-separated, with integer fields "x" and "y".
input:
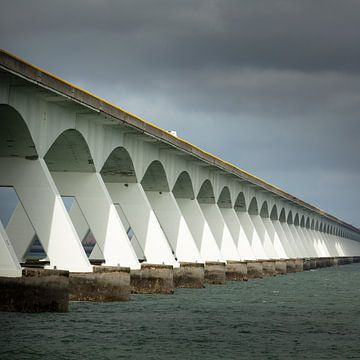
{"x": 309, "y": 315}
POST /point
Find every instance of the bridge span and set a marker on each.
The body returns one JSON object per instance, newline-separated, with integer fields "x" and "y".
{"x": 150, "y": 200}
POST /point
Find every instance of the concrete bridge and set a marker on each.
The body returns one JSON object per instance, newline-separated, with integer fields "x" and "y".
{"x": 150, "y": 199}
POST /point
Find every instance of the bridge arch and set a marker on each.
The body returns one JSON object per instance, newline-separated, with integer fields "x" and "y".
{"x": 290, "y": 218}
{"x": 16, "y": 140}
{"x": 70, "y": 152}
{"x": 206, "y": 193}
{"x": 240, "y": 203}
{"x": 264, "y": 212}
{"x": 183, "y": 187}
{"x": 155, "y": 178}
{"x": 317, "y": 225}
{"x": 253, "y": 207}
{"x": 274, "y": 213}
{"x": 224, "y": 200}
{"x": 321, "y": 227}
{"x": 302, "y": 221}
{"x": 282, "y": 217}
{"x": 119, "y": 167}
{"x": 296, "y": 220}
{"x": 312, "y": 226}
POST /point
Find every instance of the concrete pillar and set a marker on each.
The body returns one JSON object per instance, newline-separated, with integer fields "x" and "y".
{"x": 101, "y": 215}
{"x": 138, "y": 211}
{"x": 189, "y": 275}
{"x": 309, "y": 242}
{"x": 274, "y": 237}
{"x": 252, "y": 235}
{"x": 241, "y": 242}
{"x": 289, "y": 250}
{"x": 215, "y": 273}
{"x": 264, "y": 237}
{"x": 46, "y": 211}
{"x": 292, "y": 242}
{"x": 174, "y": 226}
{"x": 254, "y": 269}
{"x": 236, "y": 270}
{"x": 200, "y": 230}
{"x": 220, "y": 231}
{"x": 301, "y": 252}
{"x": 9, "y": 264}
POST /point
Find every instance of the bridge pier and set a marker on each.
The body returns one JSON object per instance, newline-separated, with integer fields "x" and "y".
{"x": 236, "y": 270}
{"x": 268, "y": 267}
{"x": 254, "y": 269}
{"x": 215, "y": 272}
{"x": 37, "y": 290}
{"x": 105, "y": 283}
{"x": 189, "y": 275}
{"x": 280, "y": 266}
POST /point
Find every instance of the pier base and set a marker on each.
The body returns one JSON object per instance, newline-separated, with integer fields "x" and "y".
{"x": 254, "y": 269}
{"x": 299, "y": 265}
{"x": 268, "y": 267}
{"x": 290, "y": 266}
{"x": 189, "y": 275}
{"x": 38, "y": 290}
{"x": 215, "y": 272}
{"x": 236, "y": 270}
{"x": 152, "y": 279}
{"x": 307, "y": 264}
{"x": 312, "y": 263}
{"x": 280, "y": 267}
{"x": 105, "y": 283}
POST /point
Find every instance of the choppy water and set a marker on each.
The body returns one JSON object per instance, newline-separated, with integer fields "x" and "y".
{"x": 310, "y": 315}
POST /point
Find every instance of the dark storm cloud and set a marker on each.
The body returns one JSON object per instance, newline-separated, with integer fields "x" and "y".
{"x": 273, "y": 86}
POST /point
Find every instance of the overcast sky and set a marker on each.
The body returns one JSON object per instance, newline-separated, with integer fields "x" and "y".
{"x": 271, "y": 86}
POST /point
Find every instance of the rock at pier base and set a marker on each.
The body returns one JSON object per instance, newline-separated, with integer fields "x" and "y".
{"x": 189, "y": 275}
{"x": 38, "y": 290}
{"x": 105, "y": 283}
{"x": 236, "y": 270}
{"x": 152, "y": 279}
{"x": 268, "y": 267}
{"x": 254, "y": 269}
{"x": 215, "y": 272}
{"x": 290, "y": 265}
{"x": 280, "y": 266}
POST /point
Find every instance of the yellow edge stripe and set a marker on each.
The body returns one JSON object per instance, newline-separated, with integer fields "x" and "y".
{"x": 140, "y": 119}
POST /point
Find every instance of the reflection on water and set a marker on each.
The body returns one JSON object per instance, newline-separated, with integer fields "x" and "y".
{"x": 310, "y": 315}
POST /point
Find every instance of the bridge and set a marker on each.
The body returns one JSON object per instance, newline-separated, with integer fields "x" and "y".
{"x": 150, "y": 200}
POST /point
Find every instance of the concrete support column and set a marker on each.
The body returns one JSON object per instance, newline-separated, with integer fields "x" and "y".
{"x": 174, "y": 226}
{"x": 274, "y": 237}
{"x": 241, "y": 242}
{"x": 46, "y": 211}
{"x": 200, "y": 230}
{"x": 101, "y": 215}
{"x": 302, "y": 253}
{"x": 308, "y": 241}
{"x": 138, "y": 211}
{"x": 296, "y": 253}
{"x": 264, "y": 237}
{"x": 220, "y": 231}
{"x": 289, "y": 250}
{"x": 9, "y": 264}
{"x": 252, "y": 235}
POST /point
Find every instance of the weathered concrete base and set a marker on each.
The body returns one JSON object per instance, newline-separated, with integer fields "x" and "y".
{"x": 307, "y": 264}
{"x": 105, "y": 283}
{"x": 189, "y": 275}
{"x": 236, "y": 270}
{"x": 38, "y": 290}
{"x": 320, "y": 263}
{"x": 345, "y": 260}
{"x": 215, "y": 272}
{"x": 152, "y": 279}
{"x": 312, "y": 263}
{"x": 254, "y": 269}
{"x": 280, "y": 266}
{"x": 299, "y": 265}
{"x": 268, "y": 267}
{"x": 356, "y": 259}
{"x": 290, "y": 265}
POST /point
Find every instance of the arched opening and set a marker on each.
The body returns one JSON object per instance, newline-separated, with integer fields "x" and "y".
{"x": 312, "y": 226}
{"x": 119, "y": 167}
{"x": 308, "y": 223}
{"x": 274, "y": 213}
{"x": 282, "y": 217}
{"x": 296, "y": 220}
{"x": 302, "y": 221}
{"x": 206, "y": 193}
{"x": 155, "y": 178}
{"x": 240, "y": 204}
{"x": 264, "y": 212}
{"x": 253, "y": 207}
{"x": 225, "y": 198}
{"x": 70, "y": 152}
{"x": 183, "y": 188}
{"x": 290, "y": 218}
{"x": 16, "y": 142}
{"x": 317, "y": 225}
{"x": 321, "y": 227}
